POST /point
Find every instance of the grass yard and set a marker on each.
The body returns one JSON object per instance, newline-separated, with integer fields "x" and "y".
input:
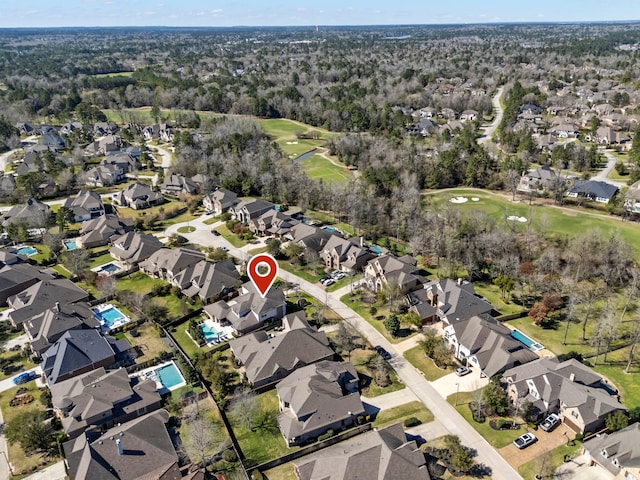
{"x": 24, "y": 464}
{"x": 282, "y": 127}
{"x": 565, "y": 222}
{"x": 304, "y": 271}
{"x": 266, "y": 442}
{"x": 492, "y": 294}
{"x": 359, "y": 359}
{"x": 497, "y": 438}
{"x": 628, "y": 384}
{"x": 529, "y": 470}
{"x": 100, "y": 260}
{"x": 178, "y": 332}
{"x": 362, "y": 309}
{"x": 13, "y": 363}
{"x": 63, "y": 272}
{"x": 230, "y": 237}
{"x": 418, "y": 359}
{"x": 149, "y": 342}
{"x": 319, "y": 167}
{"x": 138, "y": 282}
{"x": 398, "y": 414}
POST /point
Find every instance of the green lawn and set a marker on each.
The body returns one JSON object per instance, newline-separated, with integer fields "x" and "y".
{"x": 100, "y": 260}
{"x": 230, "y": 237}
{"x": 63, "y": 272}
{"x": 492, "y": 294}
{"x": 282, "y": 127}
{"x": 16, "y": 361}
{"x": 529, "y": 470}
{"x": 418, "y": 359}
{"x": 266, "y": 442}
{"x": 304, "y": 271}
{"x": 283, "y": 472}
{"x": 138, "y": 282}
{"x": 189, "y": 346}
{"x": 343, "y": 282}
{"x": 362, "y": 309}
{"x": 564, "y": 223}
{"x": 359, "y": 359}
{"x": 497, "y": 438}
{"x": 398, "y": 414}
{"x": 319, "y": 167}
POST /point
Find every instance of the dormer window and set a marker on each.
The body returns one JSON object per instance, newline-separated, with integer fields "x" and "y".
{"x": 604, "y": 453}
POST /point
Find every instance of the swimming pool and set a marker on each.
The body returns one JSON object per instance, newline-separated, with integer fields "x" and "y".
{"x": 167, "y": 376}
{"x": 70, "y": 245}
{"x": 109, "y": 267}
{"x": 26, "y": 250}
{"x": 110, "y": 317}
{"x": 211, "y": 333}
{"x": 375, "y": 249}
{"x": 526, "y": 341}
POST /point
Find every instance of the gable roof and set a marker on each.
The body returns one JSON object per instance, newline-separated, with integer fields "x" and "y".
{"x": 264, "y": 356}
{"x": 86, "y": 202}
{"x": 592, "y": 188}
{"x": 33, "y": 212}
{"x": 147, "y": 452}
{"x": 134, "y": 247}
{"x": 176, "y": 184}
{"x": 172, "y": 260}
{"x": 454, "y": 300}
{"x": 73, "y": 351}
{"x": 622, "y": 446}
{"x": 318, "y": 397}
{"x": 207, "y": 279}
{"x": 104, "y": 227}
{"x": 383, "y": 454}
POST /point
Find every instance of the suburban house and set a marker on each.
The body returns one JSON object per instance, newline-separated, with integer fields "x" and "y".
{"x": 469, "y": 116}
{"x": 609, "y": 136}
{"x": 16, "y": 277}
{"x": 537, "y": 181}
{"x": 249, "y": 311}
{"x": 103, "y": 176}
{"x": 177, "y": 185}
{"x": 248, "y": 210}
{"x": 85, "y": 206}
{"x": 46, "y": 327}
{"x": 50, "y": 138}
{"x": 632, "y": 198}
{"x": 447, "y": 300}
{"x": 617, "y": 452}
{"x": 167, "y": 263}
{"x": 317, "y": 398}
{"x": 7, "y": 184}
{"x": 99, "y": 231}
{"x": 207, "y": 280}
{"x": 77, "y": 352}
{"x": 565, "y": 130}
{"x": 110, "y": 143}
{"x": 138, "y": 449}
{"x": 388, "y": 269}
{"x": 34, "y": 213}
{"x": 570, "y": 389}
{"x": 272, "y": 222}
{"x": 25, "y": 129}
{"x": 101, "y": 129}
{"x": 601, "y": 192}
{"x": 341, "y": 254}
{"x": 124, "y": 162}
{"x": 308, "y": 237}
{"x": 483, "y": 342}
{"x": 138, "y": 196}
{"x": 380, "y": 454}
{"x": 220, "y": 201}
{"x": 31, "y": 163}
{"x": 134, "y": 247}
{"x": 102, "y": 399}
{"x": 424, "y": 127}
{"x": 41, "y": 296}
{"x": 70, "y": 127}
{"x": 268, "y": 358}
{"x": 157, "y": 131}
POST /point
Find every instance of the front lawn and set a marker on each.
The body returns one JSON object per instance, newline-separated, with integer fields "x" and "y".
{"x": 231, "y": 237}
{"x": 497, "y": 438}
{"x": 265, "y": 442}
{"x": 555, "y": 458}
{"x": 361, "y": 359}
{"x": 13, "y": 363}
{"x": 402, "y": 412}
{"x": 418, "y": 359}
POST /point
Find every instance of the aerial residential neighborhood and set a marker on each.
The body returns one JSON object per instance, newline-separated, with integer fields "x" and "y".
{"x": 451, "y": 213}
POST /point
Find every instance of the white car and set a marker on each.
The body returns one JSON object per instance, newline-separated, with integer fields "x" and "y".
{"x": 523, "y": 441}
{"x": 551, "y": 422}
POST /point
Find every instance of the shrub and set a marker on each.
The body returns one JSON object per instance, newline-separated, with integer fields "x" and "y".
{"x": 328, "y": 434}
{"x": 373, "y": 310}
{"x": 229, "y": 456}
{"x": 412, "y": 422}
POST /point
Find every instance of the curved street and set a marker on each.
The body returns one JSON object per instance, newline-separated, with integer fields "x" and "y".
{"x": 445, "y": 413}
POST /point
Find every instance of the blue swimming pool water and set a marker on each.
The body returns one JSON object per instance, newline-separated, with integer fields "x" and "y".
{"x": 210, "y": 334}
{"x": 26, "y": 251}
{"x": 375, "y": 249}
{"x": 109, "y": 316}
{"x": 526, "y": 341}
{"x": 169, "y": 376}
{"x": 110, "y": 267}
{"x": 330, "y": 229}
{"x": 70, "y": 245}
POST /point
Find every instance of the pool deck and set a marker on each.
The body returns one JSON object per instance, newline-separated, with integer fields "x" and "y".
{"x": 535, "y": 347}
{"x": 149, "y": 373}
{"x": 99, "y": 309}
{"x": 225, "y": 335}
{"x": 100, "y": 271}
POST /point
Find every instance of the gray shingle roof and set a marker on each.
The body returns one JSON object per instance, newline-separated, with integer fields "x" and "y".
{"x": 622, "y": 446}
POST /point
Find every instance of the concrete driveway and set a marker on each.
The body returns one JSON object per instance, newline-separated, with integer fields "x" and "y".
{"x": 7, "y": 383}
{"x": 546, "y": 441}
{"x": 448, "y": 384}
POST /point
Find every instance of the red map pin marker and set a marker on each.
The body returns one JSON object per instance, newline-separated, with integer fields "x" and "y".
{"x": 262, "y": 281}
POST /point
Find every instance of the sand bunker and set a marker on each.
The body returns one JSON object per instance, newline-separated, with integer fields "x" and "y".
{"x": 475, "y": 199}
{"x": 516, "y": 218}
{"x": 459, "y": 200}
{"x": 292, "y": 143}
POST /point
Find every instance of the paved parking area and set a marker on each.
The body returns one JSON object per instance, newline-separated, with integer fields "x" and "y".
{"x": 546, "y": 441}
{"x": 448, "y": 384}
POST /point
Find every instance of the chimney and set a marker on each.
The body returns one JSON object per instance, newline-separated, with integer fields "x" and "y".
{"x": 572, "y": 377}
{"x": 459, "y": 281}
{"x": 119, "y": 446}
{"x": 361, "y": 241}
{"x": 58, "y": 307}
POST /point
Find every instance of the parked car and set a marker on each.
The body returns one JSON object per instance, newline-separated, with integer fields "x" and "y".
{"x": 462, "y": 371}
{"x": 24, "y": 377}
{"x": 382, "y": 352}
{"x": 215, "y": 232}
{"x": 524, "y": 440}
{"x": 328, "y": 282}
{"x": 551, "y": 422}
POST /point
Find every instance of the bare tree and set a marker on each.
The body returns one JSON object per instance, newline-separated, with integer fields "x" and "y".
{"x": 204, "y": 438}
{"x": 589, "y": 292}
{"x": 245, "y": 409}
{"x": 635, "y": 339}
{"x": 345, "y": 339}
{"x": 607, "y": 331}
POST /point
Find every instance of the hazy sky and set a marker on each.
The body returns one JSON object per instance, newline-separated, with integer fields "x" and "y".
{"x": 47, "y": 13}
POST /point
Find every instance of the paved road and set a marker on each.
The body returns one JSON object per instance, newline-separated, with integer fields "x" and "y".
{"x": 603, "y": 175}
{"x": 407, "y": 373}
{"x": 497, "y": 108}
